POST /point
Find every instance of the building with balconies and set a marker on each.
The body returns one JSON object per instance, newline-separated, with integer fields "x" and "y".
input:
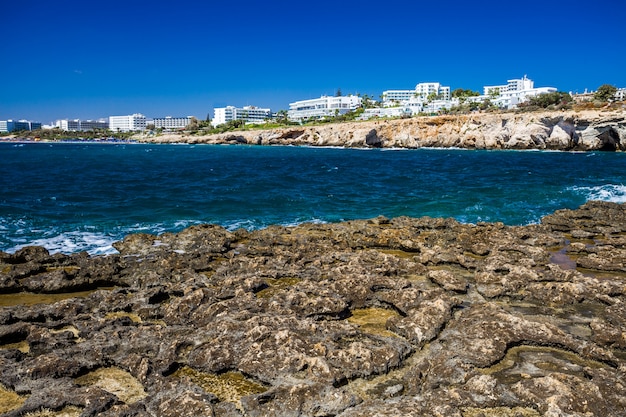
{"x": 249, "y": 114}
{"x": 17, "y": 125}
{"x": 131, "y": 123}
{"x": 169, "y": 122}
{"x": 325, "y": 106}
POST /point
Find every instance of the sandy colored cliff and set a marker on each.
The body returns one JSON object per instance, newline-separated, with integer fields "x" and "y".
{"x": 563, "y": 130}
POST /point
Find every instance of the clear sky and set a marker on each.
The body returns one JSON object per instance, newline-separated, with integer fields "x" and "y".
{"x": 92, "y": 59}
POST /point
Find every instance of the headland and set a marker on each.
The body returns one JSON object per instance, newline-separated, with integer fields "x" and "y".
{"x": 580, "y": 130}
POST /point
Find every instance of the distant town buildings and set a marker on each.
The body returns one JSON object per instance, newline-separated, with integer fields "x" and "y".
{"x": 324, "y": 106}
{"x": 169, "y": 122}
{"x": 78, "y": 125}
{"x": 249, "y": 114}
{"x": 426, "y": 97}
{"x": 17, "y": 125}
{"x": 432, "y": 97}
{"x": 132, "y": 123}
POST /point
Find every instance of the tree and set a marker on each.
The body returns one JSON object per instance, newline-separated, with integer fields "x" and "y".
{"x": 338, "y": 93}
{"x": 463, "y": 95}
{"x": 281, "y": 117}
{"x": 605, "y": 92}
{"x": 193, "y": 125}
{"x": 494, "y": 93}
{"x": 558, "y": 98}
{"x": 432, "y": 97}
{"x": 459, "y": 93}
{"x": 367, "y": 101}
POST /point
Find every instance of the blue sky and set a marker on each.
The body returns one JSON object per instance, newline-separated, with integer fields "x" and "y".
{"x": 81, "y": 59}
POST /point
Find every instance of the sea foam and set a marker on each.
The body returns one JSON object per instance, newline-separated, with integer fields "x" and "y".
{"x": 615, "y": 193}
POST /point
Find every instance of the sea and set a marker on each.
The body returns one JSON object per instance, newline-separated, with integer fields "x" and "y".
{"x": 72, "y": 197}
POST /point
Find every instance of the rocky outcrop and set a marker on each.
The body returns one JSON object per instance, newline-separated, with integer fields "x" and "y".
{"x": 570, "y": 130}
{"x": 387, "y": 317}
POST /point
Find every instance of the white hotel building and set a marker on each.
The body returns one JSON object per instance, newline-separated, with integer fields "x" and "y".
{"x": 131, "y": 123}
{"x": 77, "y": 125}
{"x": 249, "y": 114}
{"x": 324, "y": 106}
{"x": 169, "y": 122}
{"x": 513, "y": 92}
{"x": 420, "y": 93}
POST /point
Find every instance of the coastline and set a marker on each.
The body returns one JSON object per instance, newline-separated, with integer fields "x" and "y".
{"x": 585, "y": 130}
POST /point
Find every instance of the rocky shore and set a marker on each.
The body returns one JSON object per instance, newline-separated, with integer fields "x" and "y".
{"x": 584, "y": 130}
{"x": 385, "y": 317}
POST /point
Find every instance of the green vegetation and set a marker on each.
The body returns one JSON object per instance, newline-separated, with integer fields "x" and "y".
{"x": 459, "y": 92}
{"x": 471, "y": 106}
{"x": 58, "y": 134}
{"x": 605, "y": 92}
{"x": 463, "y": 95}
{"x": 558, "y": 100}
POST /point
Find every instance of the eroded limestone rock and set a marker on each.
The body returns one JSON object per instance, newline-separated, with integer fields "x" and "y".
{"x": 372, "y": 317}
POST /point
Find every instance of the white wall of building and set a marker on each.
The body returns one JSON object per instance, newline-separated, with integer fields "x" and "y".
{"x": 402, "y": 111}
{"x": 324, "y": 106}
{"x": 249, "y": 114}
{"x": 416, "y": 98}
{"x": 77, "y": 125}
{"x": 131, "y": 123}
{"x": 169, "y": 122}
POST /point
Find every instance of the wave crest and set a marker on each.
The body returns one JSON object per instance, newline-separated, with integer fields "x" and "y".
{"x": 615, "y": 193}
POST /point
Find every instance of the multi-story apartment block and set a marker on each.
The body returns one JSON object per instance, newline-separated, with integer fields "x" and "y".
{"x": 520, "y": 84}
{"x": 77, "y": 125}
{"x": 249, "y": 114}
{"x": 86, "y": 125}
{"x": 169, "y": 122}
{"x": 514, "y": 92}
{"x": 14, "y": 126}
{"x": 129, "y": 123}
{"x": 425, "y": 90}
{"x": 399, "y": 96}
{"x": 68, "y": 125}
{"x": 324, "y": 106}
{"x": 417, "y": 97}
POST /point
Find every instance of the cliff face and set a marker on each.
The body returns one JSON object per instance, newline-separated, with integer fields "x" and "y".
{"x": 582, "y": 131}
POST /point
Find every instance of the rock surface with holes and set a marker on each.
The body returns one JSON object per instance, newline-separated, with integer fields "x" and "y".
{"x": 388, "y": 317}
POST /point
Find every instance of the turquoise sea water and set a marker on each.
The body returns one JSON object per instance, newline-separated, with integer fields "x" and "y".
{"x": 70, "y": 197}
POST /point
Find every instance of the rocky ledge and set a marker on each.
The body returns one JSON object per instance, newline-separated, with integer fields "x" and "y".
{"x": 385, "y": 317}
{"x": 585, "y": 130}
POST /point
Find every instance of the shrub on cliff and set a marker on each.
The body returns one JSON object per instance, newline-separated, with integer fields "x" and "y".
{"x": 555, "y": 101}
{"x": 605, "y": 92}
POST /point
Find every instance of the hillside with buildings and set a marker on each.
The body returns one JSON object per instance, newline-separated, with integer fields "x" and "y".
{"x": 558, "y": 130}
{"x": 427, "y": 98}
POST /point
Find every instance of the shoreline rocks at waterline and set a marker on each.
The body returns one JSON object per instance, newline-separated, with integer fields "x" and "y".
{"x": 586, "y": 130}
{"x": 387, "y": 317}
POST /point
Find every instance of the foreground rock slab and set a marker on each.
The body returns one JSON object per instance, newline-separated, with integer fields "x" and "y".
{"x": 386, "y": 317}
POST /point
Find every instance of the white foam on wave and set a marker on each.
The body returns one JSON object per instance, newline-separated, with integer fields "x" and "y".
{"x": 72, "y": 242}
{"x": 615, "y": 193}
